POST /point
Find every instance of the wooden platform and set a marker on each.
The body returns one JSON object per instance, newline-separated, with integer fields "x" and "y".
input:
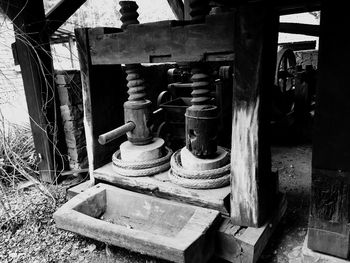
{"x": 238, "y": 244}
{"x": 310, "y": 256}
{"x": 160, "y": 185}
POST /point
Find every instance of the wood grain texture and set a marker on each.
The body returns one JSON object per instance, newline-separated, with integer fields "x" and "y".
{"x": 167, "y": 41}
{"x": 191, "y": 241}
{"x": 245, "y": 244}
{"x": 329, "y": 219}
{"x": 252, "y": 184}
{"x": 103, "y": 99}
{"x": 160, "y": 185}
{"x": 177, "y": 7}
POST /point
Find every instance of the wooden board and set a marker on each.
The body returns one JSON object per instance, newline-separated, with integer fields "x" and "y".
{"x": 329, "y": 229}
{"x": 238, "y": 244}
{"x": 166, "y": 41}
{"x": 252, "y": 183}
{"x": 313, "y": 256}
{"x": 145, "y": 224}
{"x": 103, "y": 98}
{"x": 160, "y": 185}
{"x": 75, "y": 190}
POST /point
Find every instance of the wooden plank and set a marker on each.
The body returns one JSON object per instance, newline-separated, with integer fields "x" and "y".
{"x": 59, "y": 14}
{"x": 154, "y": 226}
{"x": 252, "y": 183}
{"x": 166, "y": 41}
{"x": 160, "y": 185}
{"x": 313, "y": 256}
{"x": 75, "y": 190}
{"x": 103, "y": 99}
{"x": 329, "y": 229}
{"x": 297, "y": 46}
{"x": 177, "y": 6}
{"x": 297, "y": 28}
{"x": 34, "y": 55}
{"x": 240, "y": 244}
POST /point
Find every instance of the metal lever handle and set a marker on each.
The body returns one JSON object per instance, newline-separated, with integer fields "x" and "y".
{"x": 116, "y": 133}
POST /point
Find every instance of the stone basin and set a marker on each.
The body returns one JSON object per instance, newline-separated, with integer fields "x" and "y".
{"x": 149, "y": 225}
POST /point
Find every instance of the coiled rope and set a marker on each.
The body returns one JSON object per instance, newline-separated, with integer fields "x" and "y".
{"x": 208, "y": 179}
{"x": 145, "y": 168}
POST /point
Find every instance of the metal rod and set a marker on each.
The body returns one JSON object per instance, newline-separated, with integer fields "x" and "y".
{"x": 116, "y": 133}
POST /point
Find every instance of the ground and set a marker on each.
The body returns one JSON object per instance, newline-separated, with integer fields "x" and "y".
{"x": 31, "y": 235}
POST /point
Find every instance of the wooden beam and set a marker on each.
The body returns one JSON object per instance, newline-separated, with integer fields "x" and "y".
{"x": 103, "y": 99}
{"x": 166, "y": 41}
{"x": 252, "y": 184}
{"x": 34, "y": 56}
{"x": 59, "y": 14}
{"x": 329, "y": 230}
{"x": 177, "y": 7}
{"x": 301, "y": 45}
{"x": 303, "y": 29}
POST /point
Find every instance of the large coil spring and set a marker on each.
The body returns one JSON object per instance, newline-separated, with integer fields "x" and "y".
{"x": 136, "y": 84}
{"x": 200, "y": 87}
{"x": 129, "y": 13}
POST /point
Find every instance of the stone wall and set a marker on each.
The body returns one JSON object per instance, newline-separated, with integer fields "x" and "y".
{"x": 68, "y": 84}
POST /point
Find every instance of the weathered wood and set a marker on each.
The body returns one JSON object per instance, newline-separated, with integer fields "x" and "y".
{"x": 329, "y": 229}
{"x": 148, "y": 225}
{"x": 103, "y": 99}
{"x": 34, "y": 55}
{"x": 297, "y": 28}
{"x": 166, "y": 41}
{"x": 240, "y": 244}
{"x": 59, "y": 14}
{"x": 177, "y": 7}
{"x": 75, "y": 190}
{"x": 160, "y": 185}
{"x": 252, "y": 183}
{"x": 313, "y": 256}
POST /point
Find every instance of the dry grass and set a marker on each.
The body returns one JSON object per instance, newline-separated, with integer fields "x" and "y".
{"x": 18, "y": 161}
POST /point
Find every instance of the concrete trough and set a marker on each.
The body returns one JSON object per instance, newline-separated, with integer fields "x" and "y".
{"x": 145, "y": 224}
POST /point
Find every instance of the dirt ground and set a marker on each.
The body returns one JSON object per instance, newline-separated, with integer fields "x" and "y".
{"x": 31, "y": 235}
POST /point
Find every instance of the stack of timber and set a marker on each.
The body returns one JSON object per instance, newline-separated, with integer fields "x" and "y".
{"x": 71, "y": 105}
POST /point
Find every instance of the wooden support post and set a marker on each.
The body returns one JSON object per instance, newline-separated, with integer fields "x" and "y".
{"x": 104, "y": 92}
{"x": 252, "y": 184}
{"x": 177, "y": 7}
{"x": 34, "y": 55}
{"x": 329, "y": 229}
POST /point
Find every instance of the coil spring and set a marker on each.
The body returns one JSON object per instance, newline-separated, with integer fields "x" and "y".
{"x": 129, "y": 13}
{"x": 136, "y": 84}
{"x": 199, "y": 9}
{"x": 200, "y": 87}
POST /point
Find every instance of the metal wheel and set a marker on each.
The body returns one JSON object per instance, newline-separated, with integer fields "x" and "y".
{"x": 284, "y": 90}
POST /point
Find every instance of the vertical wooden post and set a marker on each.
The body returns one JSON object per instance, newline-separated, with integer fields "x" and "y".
{"x": 329, "y": 229}
{"x": 104, "y": 92}
{"x": 34, "y": 55}
{"x": 252, "y": 184}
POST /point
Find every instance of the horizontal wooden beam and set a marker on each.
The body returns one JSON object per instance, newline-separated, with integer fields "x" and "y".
{"x": 167, "y": 41}
{"x": 303, "y": 29}
{"x": 302, "y": 45}
{"x": 177, "y": 6}
{"x": 59, "y": 14}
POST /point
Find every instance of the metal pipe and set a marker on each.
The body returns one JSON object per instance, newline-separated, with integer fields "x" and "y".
{"x": 116, "y": 133}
